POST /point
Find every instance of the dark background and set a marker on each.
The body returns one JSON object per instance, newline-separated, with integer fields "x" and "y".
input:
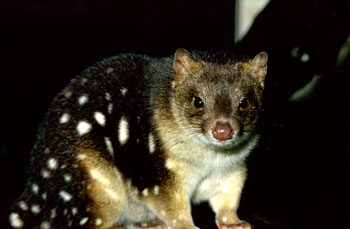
{"x": 298, "y": 176}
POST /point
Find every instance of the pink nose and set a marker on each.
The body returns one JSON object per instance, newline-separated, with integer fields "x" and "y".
{"x": 222, "y": 131}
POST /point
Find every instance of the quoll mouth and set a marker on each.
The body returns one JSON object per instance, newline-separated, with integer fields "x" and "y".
{"x": 220, "y": 143}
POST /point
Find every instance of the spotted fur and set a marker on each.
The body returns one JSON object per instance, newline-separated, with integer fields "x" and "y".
{"x": 124, "y": 145}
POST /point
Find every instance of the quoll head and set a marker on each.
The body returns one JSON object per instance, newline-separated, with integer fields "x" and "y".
{"x": 220, "y": 102}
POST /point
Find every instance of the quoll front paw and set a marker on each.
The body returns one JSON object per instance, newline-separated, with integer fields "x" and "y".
{"x": 241, "y": 225}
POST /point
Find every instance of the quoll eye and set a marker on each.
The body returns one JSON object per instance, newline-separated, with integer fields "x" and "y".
{"x": 244, "y": 103}
{"x": 198, "y": 102}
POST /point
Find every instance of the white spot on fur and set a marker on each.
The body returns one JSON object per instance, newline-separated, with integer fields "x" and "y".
{"x": 35, "y": 208}
{"x": 156, "y": 190}
{"x": 135, "y": 192}
{"x": 45, "y": 173}
{"x": 83, "y": 81}
{"x": 64, "y": 118}
{"x": 47, "y": 150}
{"x": 67, "y": 94}
{"x": 111, "y": 193}
{"x": 109, "y": 146}
{"x": 83, "y": 221}
{"x": 123, "y": 90}
{"x": 110, "y": 108}
{"x": 123, "y": 132}
{"x": 174, "y": 221}
{"x": 99, "y": 177}
{"x": 169, "y": 164}
{"x": 109, "y": 70}
{"x": 63, "y": 166}
{"x": 52, "y": 163}
{"x": 144, "y": 225}
{"x": 35, "y": 188}
{"x": 83, "y": 127}
{"x": 83, "y": 99}
{"x": 74, "y": 211}
{"x": 151, "y": 143}
{"x": 162, "y": 212}
{"x": 145, "y": 192}
{"x": 108, "y": 96}
{"x": 65, "y": 211}
{"x": 81, "y": 156}
{"x": 224, "y": 219}
{"x": 98, "y": 222}
{"x": 65, "y": 195}
{"x": 23, "y": 205}
{"x": 45, "y": 225}
{"x": 100, "y": 118}
{"x": 53, "y": 213}
{"x": 15, "y": 220}
{"x": 305, "y": 57}
{"x": 67, "y": 177}
{"x": 44, "y": 196}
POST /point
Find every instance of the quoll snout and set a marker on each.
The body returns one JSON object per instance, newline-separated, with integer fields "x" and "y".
{"x": 222, "y": 131}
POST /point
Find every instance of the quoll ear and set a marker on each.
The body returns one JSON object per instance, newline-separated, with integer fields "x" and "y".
{"x": 258, "y": 66}
{"x": 183, "y": 64}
